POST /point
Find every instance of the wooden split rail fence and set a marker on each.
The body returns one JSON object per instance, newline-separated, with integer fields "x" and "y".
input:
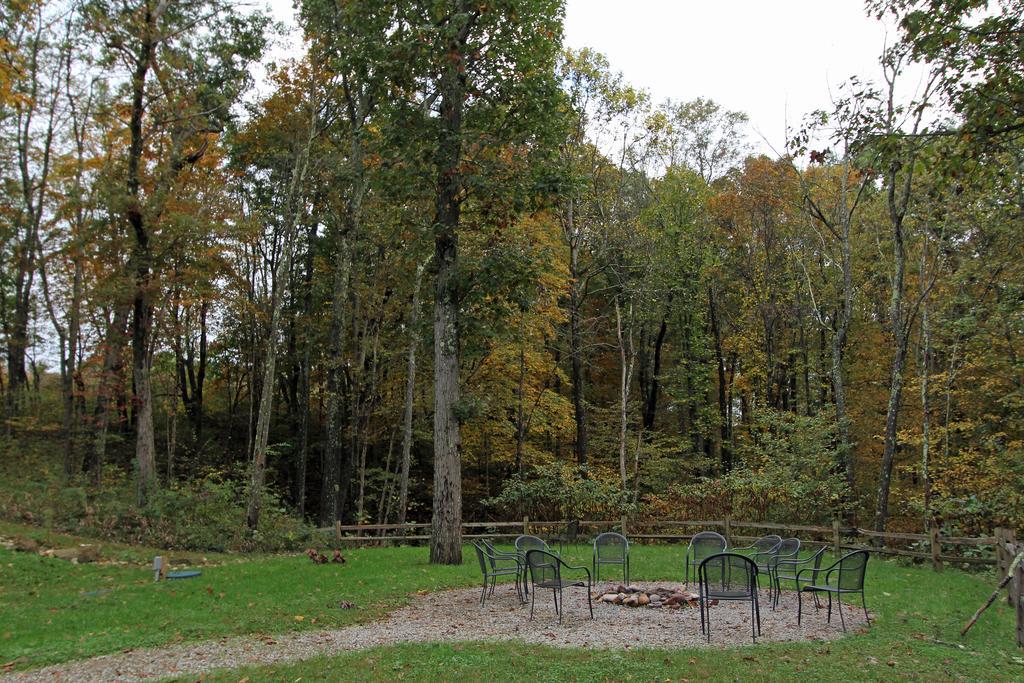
{"x": 986, "y": 550}
{"x": 1007, "y": 548}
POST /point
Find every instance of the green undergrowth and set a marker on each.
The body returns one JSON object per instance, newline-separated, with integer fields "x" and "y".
{"x": 206, "y": 513}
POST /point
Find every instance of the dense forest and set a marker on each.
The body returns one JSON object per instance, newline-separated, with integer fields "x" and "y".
{"x": 434, "y": 266}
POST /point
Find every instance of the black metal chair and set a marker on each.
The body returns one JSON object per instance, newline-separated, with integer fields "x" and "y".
{"x": 611, "y": 548}
{"x": 546, "y": 573}
{"x": 506, "y": 555}
{"x": 492, "y": 569}
{"x": 788, "y": 569}
{"x": 568, "y": 536}
{"x": 762, "y": 552}
{"x": 523, "y": 544}
{"x": 846, "y": 575}
{"x": 728, "y": 576}
{"x": 701, "y": 546}
{"x": 787, "y": 549}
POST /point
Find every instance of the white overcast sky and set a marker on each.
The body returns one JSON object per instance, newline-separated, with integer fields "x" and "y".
{"x": 775, "y": 60}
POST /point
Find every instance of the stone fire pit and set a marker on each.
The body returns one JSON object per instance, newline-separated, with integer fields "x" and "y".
{"x": 636, "y": 596}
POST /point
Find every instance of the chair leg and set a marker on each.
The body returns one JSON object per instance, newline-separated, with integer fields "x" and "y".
{"x": 799, "y": 605}
{"x": 864, "y": 603}
{"x": 700, "y": 604}
{"x": 558, "y": 609}
{"x": 494, "y": 583}
{"x": 753, "y": 634}
{"x": 839, "y": 604}
{"x": 533, "y": 599}
{"x": 828, "y": 620}
{"x": 483, "y": 593}
{"x": 757, "y": 611}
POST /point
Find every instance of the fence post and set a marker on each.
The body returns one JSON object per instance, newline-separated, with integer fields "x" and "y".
{"x": 836, "y": 540}
{"x": 624, "y": 533}
{"x": 526, "y": 525}
{"x": 728, "y": 529}
{"x": 933, "y": 537}
{"x": 1016, "y": 589}
{"x": 1004, "y": 556}
{"x": 337, "y": 530}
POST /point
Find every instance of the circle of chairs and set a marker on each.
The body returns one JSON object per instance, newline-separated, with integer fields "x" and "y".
{"x": 722, "y": 573}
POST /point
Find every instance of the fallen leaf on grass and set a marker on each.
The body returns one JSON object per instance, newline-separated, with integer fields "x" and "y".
{"x": 299, "y": 617}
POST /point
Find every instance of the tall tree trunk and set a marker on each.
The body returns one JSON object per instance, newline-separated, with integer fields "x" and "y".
{"x": 336, "y": 453}
{"x": 446, "y": 525}
{"x": 517, "y": 465}
{"x": 33, "y": 170}
{"x": 410, "y": 389}
{"x": 651, "y": 402}
{"x": 899, "y": 322}
{"x": 926, "y": 435}
{"x": 110, "y": 386}
{"x": 723, "y": 417}
{"x": 259, "y": 453}
{"x": 576, "y": 347}
{"x": 626, "y": 362}
{"x": 304, "y": 368}
{"x": 141, "y": 262}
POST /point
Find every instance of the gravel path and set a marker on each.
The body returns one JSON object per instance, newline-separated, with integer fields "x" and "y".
{"x": 454, "y": 616}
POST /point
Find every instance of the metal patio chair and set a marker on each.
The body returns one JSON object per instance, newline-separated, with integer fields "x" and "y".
{"x": 546, "y": 574}
{"x": 728, "y": 576}
{"x": 523, "y": 544}
{"x": 702, "y": 545}
{"x": 789, "y": 569}
{"x": 568, "y": 535}
{"x": 845, "y": 576}
{"x": 762, "y": 552}
{"x": 611, "y": 548}
{"x": 492, "y": 568}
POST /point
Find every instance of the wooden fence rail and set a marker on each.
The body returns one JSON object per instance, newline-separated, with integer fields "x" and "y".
{"x": 929, "y": 546}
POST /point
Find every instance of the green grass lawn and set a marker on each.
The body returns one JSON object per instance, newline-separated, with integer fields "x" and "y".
{"x": 55, "y": 611}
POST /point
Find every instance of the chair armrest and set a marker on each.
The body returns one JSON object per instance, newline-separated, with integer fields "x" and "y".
{"x": 804, "y": 571}
{"x": 791, "y": 564}
{"x": 567, "y": 566}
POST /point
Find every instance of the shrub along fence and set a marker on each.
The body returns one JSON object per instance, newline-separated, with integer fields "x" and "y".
{"x": 983, "y": 550}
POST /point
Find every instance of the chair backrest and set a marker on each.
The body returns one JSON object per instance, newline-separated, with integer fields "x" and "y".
{"x": 489, "y": 545}
{"x": 544, "y": 566}
{"x": 817, "y": 563}
{"x": 704, "y": 544}
{"x": 789, "y": 548}
{"x": 852, "y": 567}
{"x": 767, "y": 544}
{"x": 611, "y": 546}
{"x": 727, "y": 572}
{"x": 525, "y": 543}
{"x": 481, "y": 555}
